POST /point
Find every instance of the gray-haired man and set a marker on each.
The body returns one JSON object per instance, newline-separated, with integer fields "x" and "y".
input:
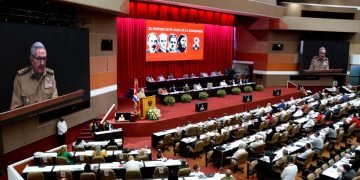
{"x": 35, "y": 83}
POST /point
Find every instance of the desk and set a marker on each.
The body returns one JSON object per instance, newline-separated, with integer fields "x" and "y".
{"x": 331, "y": 172}
{"x": 106, "y": 135}
{"x": 211, "y": 91}
{"x": 180, "y": 82}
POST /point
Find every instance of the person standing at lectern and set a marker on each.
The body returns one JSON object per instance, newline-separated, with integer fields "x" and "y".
{"x": 320, "y": 62}
{"x": 35, "y": 83}
{"x": 141, "y": 93}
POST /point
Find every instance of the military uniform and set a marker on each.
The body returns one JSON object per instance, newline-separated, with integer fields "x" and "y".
{"x": 29, "y": 90}
{"x": 317, "y": 64}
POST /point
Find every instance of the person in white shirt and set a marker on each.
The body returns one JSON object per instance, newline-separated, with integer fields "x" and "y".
{"x": 259, "y": 111}
{"x": 161, "y": 78}
{"x": 197, "y": 173}
{"x": 291, "y": 109}
{"x": 246, "y": 114}
{"x": 268, "y": 108}
{"x": 291, "y": 101}
{"x": 197, "y": 87}
{"x": 282, "y": 113}
{"x": 133, "y": 165}
{"x": 309, "y": 123}
{"x": 290, "y": 172}
{"x": 298, "y": 113}
{"x": 160, "y": 157}
{"x": 306, "y": 153}
{"x": 223, "y": 83}
{"x": 79, "y": 143}
{"x": 62, "y": 129}
{"x": 318, "y": 142}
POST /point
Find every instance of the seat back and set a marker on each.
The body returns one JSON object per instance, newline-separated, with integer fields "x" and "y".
{"x": 46, "y": 161}
{"x": 199, "y": 130}
{"x": 87, "y": 176}
{"x": 263, "y": 125}
{"x": 161, "y": 172}
{"x": 324, "y": 166}
{"x": 211, "y": 127}
{"x": 63, "y": 174}
{"x": 226, "y": 136}
{"x": 35, "y": 176}
{"x": 191, "y": 131}
{"x": 275, "y": 138}
{"x": 339, "y": 136}
{"x": 317, "y": 172}
{"x": 78, "y": 148}
{"x": 242, "y": 158}
{"x": 240, "y": 133}
{"x": 142, "y": 158}
{"x": 218, "y": 139}
{"x": 133, "y": 174}
{"x": 82, "y": 159}
{"x": 107, "y": 174}
{"x": 61, "y": 161}
{"x": 284, "y": 137}
{"x": 206, "y": 141}
{"x": 122, "y": 157}
{"x": 260, "y": 148}
{"x": 199, "y": 146}
{"x": 309, "y": 158}
{"x": 184, "y": 172}
{"x": 167, "y": 139}
{"x": 112, "y": 148}
{"x": 350, "y": 130}
{"x": 177, "y": 136}
{"x": 311, "y": 176}
{"x": 98, "y": 159}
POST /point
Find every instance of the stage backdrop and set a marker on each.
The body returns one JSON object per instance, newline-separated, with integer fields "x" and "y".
{"x": 218, "y": 43}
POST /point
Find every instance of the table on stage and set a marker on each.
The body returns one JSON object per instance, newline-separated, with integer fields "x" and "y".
{"x": 180, "y": 82}
{"x": 211, "y": 91}
{"x": 106, "y": 135}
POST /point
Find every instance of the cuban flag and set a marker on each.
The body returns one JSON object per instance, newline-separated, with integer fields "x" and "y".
{"x": 135, "y": 97}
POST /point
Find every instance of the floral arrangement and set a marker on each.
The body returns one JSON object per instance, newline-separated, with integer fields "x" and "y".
{"x": 236, "y": 90}
{"x": 221, "y": 93}
{"x": 153, "y": 113}
{"x": 203, "y": 95}
{"x": 248, "y": 89}
{"x": 169, "y": 100}
{"x": 186, "y": 98}
{"x": 259, "y": 87}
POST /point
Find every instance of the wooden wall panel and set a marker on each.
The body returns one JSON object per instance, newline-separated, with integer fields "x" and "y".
{"x": 98, "y": 64}
{"x": 100, "y": 80}
{"x": 281, "y": 58}
{"x": 282, "y": 67}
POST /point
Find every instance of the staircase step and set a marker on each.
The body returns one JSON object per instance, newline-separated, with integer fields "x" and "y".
{"x": 85, "y": 137}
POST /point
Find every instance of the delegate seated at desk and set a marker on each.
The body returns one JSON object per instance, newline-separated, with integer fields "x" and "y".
{"x": 186, "y": 88}
{"x": 197, "y": 87}
{"x": 133, "y": 165}
{"x": 306, "y": 153}
{"x": 163, "y": 91}
{"x": 223, "y": 83}
{"x": 173, "y": 88}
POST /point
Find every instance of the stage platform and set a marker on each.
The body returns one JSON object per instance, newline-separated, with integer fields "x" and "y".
{"x": 180, "y": 113}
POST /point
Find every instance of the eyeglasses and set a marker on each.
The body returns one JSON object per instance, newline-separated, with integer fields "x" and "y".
{"x": 40, "y": 58}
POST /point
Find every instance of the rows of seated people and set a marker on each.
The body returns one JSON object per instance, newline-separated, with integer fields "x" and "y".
{"x": 310, "y": 113}
{"x": 185, "y": 76}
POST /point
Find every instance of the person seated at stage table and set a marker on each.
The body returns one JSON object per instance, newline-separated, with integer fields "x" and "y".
{"x": 161, "y": 78}
{"x": 193, "y": 75}
{"x": 233, "y": 82}
{"x": 171, "y": 77}
{"x": 268, "y": 108}
{"x": 186, "y": 88}
{"x": 133, "y": 165}
{"x": 99, "y": 152}
{"x": 223, "y": 83}
{"x": 141, "y": 93}
{"x": 163, "y": 91}
{"x": 214, "y": 73}
{"x": 302, "y": 156}
{"x": 149, "y": 78}
{"x": 186, "y": 76}
{"x": 173, "y": 88}
{"x": 108, "y": 126}
{"x": 112, "y": 142}
{"x": 204, "y": 74}
{"x": 219, "y": 73}
{"x": 228, "y": 175}
{"x": 79, "y": 143}
{"x": 197, "y": 86}
{"x": 271, "y": 134}
{"x": 317, "y": 143}
{"x": 197, "y": 173}
{"x": 142, "y": 154}
{"x": 65, "y": 154}
{"x": 95, "y": 126}
{"x": 282, "y": 162}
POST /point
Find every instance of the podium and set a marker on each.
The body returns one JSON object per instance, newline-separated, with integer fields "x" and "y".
{"x": 146, "y": 103}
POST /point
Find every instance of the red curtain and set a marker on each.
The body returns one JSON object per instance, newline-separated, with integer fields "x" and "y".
{"x": 218, "y": 39}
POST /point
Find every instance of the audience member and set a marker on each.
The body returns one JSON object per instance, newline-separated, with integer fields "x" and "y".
{"x": 160, "y": 157}
{"x": 355, "y": 161}
{"x": 65, "y": 154}
{"x": 228, "y": 175}
{"x": 173, "y": 88}
{"x": 112, "y": 142}
{"x": 133, "y": 165}
{"x": 331, "y": 133}
{"x": 318, "y": 142}
{"x": 186, "y": 88}
{"x": 79, "y": 143}
{"x": 87, "y": 167}
{"x": 271, "y": 134}
{"x": 290, "y": 172}
{"x": 99, "y": 152}
{"x": 306, "y": 153}
{"x": 281, "y": 164}
{"x": 347, "y": 173}
{"x": 142, "y": 154}
{"x": 197, "y": 173}
{"x": 223, "y": 83}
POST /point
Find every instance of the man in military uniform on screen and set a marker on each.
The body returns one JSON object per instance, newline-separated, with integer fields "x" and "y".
{"x": 35, "y": 83}
{"x": 320, "y": 62}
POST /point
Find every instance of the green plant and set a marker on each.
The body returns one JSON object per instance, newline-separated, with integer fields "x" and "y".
{"x": 169, "y": 100}
{"x": 186, "y": 98}
{"x": 236, "y": 90}
{"x": 357, "y": 93}
{"x": 221, "y": 93}
{"x": 248, "y": 89}
{"x": 259, "y": 87}
{"x": 203, "y": 95}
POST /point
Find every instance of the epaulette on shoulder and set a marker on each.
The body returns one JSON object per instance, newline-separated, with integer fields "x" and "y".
{"x": 49, "y": 71}
{"x": 23, "y": 71}
{"x": 315, "y": 57}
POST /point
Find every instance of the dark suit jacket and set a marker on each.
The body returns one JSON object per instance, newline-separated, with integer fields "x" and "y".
{"x": 355, "y": 164}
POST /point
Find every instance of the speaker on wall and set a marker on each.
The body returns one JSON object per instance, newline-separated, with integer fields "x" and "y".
{"x": 247, "y": 98}
{"x": 277, "y": 47}
{"x": 201, "y": 106}
{"x": 276, "y": 92}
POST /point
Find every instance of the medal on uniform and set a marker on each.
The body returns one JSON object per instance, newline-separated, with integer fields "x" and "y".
{"x": 48, "y": 83}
